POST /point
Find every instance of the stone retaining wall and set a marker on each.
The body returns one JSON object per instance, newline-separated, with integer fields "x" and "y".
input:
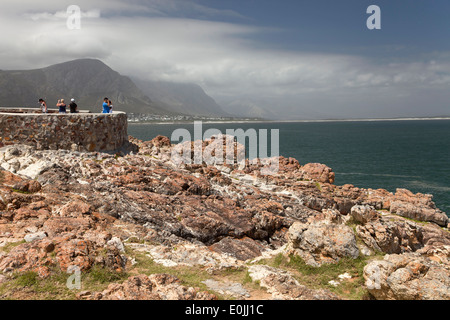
{"x": 77, "y": 132}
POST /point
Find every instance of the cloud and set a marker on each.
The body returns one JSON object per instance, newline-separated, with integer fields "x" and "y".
{"x": 184, "y": 41}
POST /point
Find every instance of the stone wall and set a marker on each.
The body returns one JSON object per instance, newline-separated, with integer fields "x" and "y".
{"x": 77, "y": 132}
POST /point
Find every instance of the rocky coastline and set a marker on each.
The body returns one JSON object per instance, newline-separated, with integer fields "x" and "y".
{"x": 139, "y": 226}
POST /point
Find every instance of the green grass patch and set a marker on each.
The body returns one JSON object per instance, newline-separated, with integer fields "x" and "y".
{"x": 29, "y": 286}
{"x": 191, "y": 276}
{"x": 100, "y": 275}
{"x": 11, "y": 245}
{"x": 20, "y": 191}
{"x": 319, "y": 277}
{"x": 318, "y": 186}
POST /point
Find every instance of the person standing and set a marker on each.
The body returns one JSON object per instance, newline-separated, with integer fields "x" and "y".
{"x": 43, "y": 105}
{"x": 106, "y": 105}
{"x": 62, "y": 106}
{"x": 73, "y": 106}
{"x": 110, "y": 106}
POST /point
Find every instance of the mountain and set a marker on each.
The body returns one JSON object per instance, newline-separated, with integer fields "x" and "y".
{"x": 187, "y": 98}
{"x": 90, "y": 80}
{"x": 86, "y": 80}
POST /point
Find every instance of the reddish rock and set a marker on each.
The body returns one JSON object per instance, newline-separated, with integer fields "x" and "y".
{"x": 75, "y": 209}
{"x": 31, "y": 186}
{"x": 418, "y": 211}
{"x": 318, "y": 172}
{"x": 241, "y": 249}
{"x": 161, "y": 141}
{"x": 154, "y": 287}
{"x": 80, "y": 253}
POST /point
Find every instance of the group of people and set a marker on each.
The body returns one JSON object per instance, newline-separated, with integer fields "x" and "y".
{"x": 62, "y": 107}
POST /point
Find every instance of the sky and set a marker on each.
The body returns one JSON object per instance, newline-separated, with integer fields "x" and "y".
{"x": 291, "y": 59}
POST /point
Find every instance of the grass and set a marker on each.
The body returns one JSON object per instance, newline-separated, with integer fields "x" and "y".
{"x": 11, "y": 245}
{"x": 188, "y": 276}
{"x": 319, "y": 277}
{"x": 20, "y": 191}
{"x": 29, "y": 286}
{"x": 193, "y": 276}
{"x": 318, "y": 186}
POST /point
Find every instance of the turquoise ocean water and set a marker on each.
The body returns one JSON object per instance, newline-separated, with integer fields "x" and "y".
{"x": 413, "y": 154}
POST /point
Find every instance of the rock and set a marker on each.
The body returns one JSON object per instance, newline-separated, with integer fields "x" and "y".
{"x": 409, "y": 277}
{"x": 154, "y": 287}
{"x": 391, "y": 236}
{"x": 241, "y": 249}
{"x": 35, "y": 236}
{"x": 161, "y": 141}
{"x": 32, "y": 256}
{"x": 76, "y": 252}
{"x": 3, "y": 279}
{"x": 233, "y": 289}
{"x": 322, "y": 242}
{"x": 317, "y": 172}
{"x": 115, "y": 242}
{"x": 209, "y": 216}
{"x": 435, "y": 236}
{"x": 364, "y": 213}
{"x": 35, "y": 169}
{"x": 31, "y": 186}
{"x": 189, "y": 254}
{"x": 75, "y": 209}
{"x": 283, "y": 286}
{"x": 419, "y": 212}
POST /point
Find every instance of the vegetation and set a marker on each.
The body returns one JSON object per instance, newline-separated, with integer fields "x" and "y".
{"x": 28, "y": 285}
{"x": 320, "y": 277}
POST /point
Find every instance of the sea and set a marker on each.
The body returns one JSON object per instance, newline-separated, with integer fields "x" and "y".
{"x": 387, "y": 154}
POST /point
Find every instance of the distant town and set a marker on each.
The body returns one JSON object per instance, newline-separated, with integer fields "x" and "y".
{"x": 146, "y": 118}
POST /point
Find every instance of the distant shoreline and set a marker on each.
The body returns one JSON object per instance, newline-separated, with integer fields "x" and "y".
{"x": 288, "y": 121}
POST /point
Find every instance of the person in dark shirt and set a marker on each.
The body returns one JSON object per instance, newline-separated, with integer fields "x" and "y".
{"x": 73, "y": 106}
{"x": 62, "y": 106}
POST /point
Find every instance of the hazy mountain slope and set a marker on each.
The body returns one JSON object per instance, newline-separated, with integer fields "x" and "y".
{"x": 187, "y": 98}
{"x": 248, "y": 108}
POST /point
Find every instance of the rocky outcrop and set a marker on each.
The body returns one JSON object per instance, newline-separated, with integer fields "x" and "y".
{"x": 153, "y": 287}
{"x": 60, "y": 209}
{"x": 317, "y": 172}
{"x": 283, "y": 286}
{"x": 410, "y": 276}
{"x": 322, "y": 242}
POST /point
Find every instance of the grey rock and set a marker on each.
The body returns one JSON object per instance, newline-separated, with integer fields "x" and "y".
{"x": 35, "y": 236}
{"x": 364, "y": 213}
{"x": 410, "y": 276}
{"x": 322, "y": 242}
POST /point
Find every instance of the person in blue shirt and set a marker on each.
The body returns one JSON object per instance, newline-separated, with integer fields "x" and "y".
{"x": 106, "y": 105}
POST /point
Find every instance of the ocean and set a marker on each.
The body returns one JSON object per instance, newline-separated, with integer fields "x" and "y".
{"x": 411, "y": 154}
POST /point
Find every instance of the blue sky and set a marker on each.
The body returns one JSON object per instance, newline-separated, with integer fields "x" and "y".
{"x": 289, "y": 59}
{"x": 339, "y": 26}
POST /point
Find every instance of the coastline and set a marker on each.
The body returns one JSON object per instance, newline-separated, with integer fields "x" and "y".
{"x": 290, "y": 121}
{"x": 178, "y": 231}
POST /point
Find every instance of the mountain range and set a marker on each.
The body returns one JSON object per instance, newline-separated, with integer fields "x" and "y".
{"x": 90, "y": 80}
